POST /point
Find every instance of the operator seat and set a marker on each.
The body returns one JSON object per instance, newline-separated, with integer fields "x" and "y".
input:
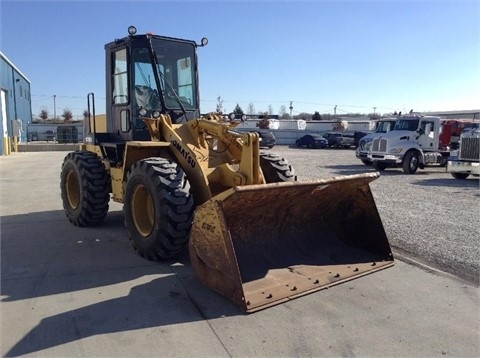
{"x": 146, "y": 97}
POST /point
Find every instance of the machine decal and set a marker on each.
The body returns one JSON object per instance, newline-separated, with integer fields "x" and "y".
{"x": 184, "y": 153}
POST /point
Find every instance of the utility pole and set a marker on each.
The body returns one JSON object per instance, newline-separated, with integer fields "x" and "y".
{"x": 291, "y": 108}
{"x": 54, "y": 109}
{"x": 335, "y": 110}
{"x": 374, "y": 110}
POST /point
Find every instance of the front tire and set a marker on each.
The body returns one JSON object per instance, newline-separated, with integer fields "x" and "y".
{"x": 460, "y": 175}
{"x": 84, "y": 187}
{"x": 379, "y": 166}
{"x": 410, "y": 163}
{"x": 275, "y": 169}
{"x": 158, "y": 208}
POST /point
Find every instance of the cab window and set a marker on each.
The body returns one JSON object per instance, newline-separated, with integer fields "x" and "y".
{"x": 120, "y": 77}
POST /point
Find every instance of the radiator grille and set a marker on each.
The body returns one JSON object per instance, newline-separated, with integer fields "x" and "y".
{"x": 379, "y": 145}
{"x": 469, "y": 149}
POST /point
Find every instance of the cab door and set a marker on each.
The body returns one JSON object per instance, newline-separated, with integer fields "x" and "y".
{"x": 428, "y": 135}
{"x": 120, "y": 99}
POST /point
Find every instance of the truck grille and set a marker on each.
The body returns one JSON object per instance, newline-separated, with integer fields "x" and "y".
{"x": 379, "y": 145}
{"x": 469, "y": 149}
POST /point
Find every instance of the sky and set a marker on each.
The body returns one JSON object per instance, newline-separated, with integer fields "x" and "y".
{"x": 360, "y": 56}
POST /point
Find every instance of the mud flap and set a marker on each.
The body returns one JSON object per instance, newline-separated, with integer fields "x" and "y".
{"x": 261, "y": 245}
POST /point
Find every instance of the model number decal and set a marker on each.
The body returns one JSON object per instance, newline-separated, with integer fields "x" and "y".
{"x": 184, "y": 153}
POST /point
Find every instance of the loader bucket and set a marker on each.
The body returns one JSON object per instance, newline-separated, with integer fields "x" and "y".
{"x": 261, "y": 245}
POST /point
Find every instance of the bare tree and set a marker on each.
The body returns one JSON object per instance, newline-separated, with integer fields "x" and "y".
{"x": 219, "y": 109}
{"x": 44, "y": 115}
{"x": 86, "y": 114}
{"x": 270, "y": 109}
{"x": 251, "y": 108}
{"x": 67, "y": 115}
{"x": 264, "y": 123}
{"x": 282, "y": 112}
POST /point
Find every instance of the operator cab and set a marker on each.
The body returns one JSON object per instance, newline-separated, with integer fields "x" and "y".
{"x": 149, "y": 75}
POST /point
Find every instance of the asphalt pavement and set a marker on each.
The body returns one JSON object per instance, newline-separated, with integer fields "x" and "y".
{"x": 68, "y": 291}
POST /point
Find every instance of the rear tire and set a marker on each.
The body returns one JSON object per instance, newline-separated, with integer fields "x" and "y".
{"x": 158, "y": 208}
{"x": 275, "y": 169}
{"x": 410, "y": 163}
{"x": 366, "y": 162}
{"x": 84, "y": 186}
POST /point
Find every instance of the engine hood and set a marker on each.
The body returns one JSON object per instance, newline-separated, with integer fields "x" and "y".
{"x": 397, "y": 134}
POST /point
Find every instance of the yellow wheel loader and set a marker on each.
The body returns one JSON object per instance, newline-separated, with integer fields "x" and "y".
{"x": 254, "y": 233}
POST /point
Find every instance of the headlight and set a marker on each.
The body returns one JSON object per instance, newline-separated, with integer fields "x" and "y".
{"x": 156, "y": 114}
{"x": 143, "y": 112}
{"x": 395, "y": 150}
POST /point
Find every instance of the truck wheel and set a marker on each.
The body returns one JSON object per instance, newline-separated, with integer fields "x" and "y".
{"x": 84, "y": 187}
{"x": 410, "y": 163}
{"x": 366, "y": 162}
{"x": 379, "y": 166}
{"x": 275, "y": 169}
{"x": 158, "y": 208}
{"x": 460, "y": 175}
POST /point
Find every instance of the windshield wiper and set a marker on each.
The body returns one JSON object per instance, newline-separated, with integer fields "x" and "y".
{"x": 175, "y": 96}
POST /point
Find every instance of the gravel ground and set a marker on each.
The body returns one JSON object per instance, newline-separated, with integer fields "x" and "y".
{"x": 429, "y": 217}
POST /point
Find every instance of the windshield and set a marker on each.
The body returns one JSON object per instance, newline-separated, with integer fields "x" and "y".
{"x": 384, "y": 127}
{"x": 406, "y": 125}
{"x": 175, "y": 71}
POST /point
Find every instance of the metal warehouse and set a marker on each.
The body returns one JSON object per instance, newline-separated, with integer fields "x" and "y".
{"x": 16, "y": 108}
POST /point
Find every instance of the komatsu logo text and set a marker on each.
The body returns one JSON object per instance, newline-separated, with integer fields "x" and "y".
{"x": 184, "y": 153}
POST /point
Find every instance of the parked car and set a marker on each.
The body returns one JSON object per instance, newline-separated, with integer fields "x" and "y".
{"x": 345, "y": 140}
{"x": 312, "y": 141}
{"x": 359, "y": 135}
{"x": 50, "y": 136}
{"x": 331, "y": 138}
{"x": 267, "y": 139}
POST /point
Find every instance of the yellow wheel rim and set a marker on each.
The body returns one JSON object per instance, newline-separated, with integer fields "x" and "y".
{"x": 143, "y": 211}
{"x": 72, "y": 187}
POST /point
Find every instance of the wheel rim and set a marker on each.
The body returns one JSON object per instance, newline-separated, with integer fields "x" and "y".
{"x": 413, "y": 163}
{"x": 143, "y": 211}
{"x": 72, "y": 187}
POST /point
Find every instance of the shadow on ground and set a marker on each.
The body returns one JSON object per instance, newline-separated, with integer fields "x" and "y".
{"x": 43, "y": 255}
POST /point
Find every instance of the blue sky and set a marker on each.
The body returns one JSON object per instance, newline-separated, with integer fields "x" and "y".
{"x": 392, "y": 55}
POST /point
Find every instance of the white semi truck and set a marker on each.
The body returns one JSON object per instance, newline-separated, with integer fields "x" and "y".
{"x": 364, "y": 144}
{"x": 466, "y": 160}
{"x": 414, "y": 143}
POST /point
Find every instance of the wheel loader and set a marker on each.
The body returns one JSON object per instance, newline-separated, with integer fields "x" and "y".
{"x": 254, "y": 233}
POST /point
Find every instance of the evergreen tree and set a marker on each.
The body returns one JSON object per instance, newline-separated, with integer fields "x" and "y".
{"x": 316, "y": 117}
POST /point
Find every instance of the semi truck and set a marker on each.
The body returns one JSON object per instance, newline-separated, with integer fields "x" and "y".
{"x": 364, "y": 144}
{"x": 413, "y": 143}
{"x": 466, "y": 160}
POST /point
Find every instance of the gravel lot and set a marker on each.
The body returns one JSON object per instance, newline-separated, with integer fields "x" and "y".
{"x": 429, "y": 217}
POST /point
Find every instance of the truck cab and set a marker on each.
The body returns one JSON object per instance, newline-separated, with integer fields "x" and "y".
{"x": 382, "y": 126}
{"x": 413, "y": 144}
